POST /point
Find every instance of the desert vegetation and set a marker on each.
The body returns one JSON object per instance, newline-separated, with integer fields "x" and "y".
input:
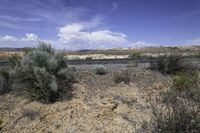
{"x": 42, "y": 73}
{"x": 135, "y": 55}
{"x": 122, "y": 76}
{"x": 181, "y": 110}
{"x": 100, "y": 70}
{"x": 159, "y": 96}
{"x": 177, "y": 108}
{"x": 167, "y": 64}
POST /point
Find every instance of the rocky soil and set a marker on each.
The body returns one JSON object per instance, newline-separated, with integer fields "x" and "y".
{"x": 98, "y": 104}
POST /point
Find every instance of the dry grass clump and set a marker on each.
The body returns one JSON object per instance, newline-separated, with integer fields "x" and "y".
{"x": 180, "y": 112}
{"x": 122, "y": 76}
{"x": 181, "y": 117}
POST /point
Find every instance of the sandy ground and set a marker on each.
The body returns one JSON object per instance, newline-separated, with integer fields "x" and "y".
{"x": 98, "y": 105}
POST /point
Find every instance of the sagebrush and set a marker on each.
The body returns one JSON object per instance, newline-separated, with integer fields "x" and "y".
{"x": 42, "y": 72}
{"x": 100, "y": 70}
{"x": 167, "y": 64}
{"x": 122, "y": 76}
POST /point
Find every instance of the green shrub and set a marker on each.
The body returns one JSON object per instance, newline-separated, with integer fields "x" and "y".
{"x": 122, "y": 76}
{"x": 184, "y": 81}
{"x": 185, "y": 85}
{"x": 135, "y": 54}
{"x": 167, "y": 64}
{"x": 100, "y": 70}
{"x": 43, "y": 73}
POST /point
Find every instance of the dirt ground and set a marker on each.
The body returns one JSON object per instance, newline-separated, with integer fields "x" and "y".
{"x": 98, "y": 104}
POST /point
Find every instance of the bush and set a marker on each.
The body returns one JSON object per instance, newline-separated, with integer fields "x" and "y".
{"x": 43, "y": 73}
{"x": 100, "y": 70}
{"x": 123, "y": 76}
{"x": 167, "y": 64}
{"x": 185, "y": 81}
{"x": 181, "y": 110}
{"x": 179, "y": 118}
{"x": 185, "y": 85}
{"x": 4, "y": 81}
{"x": 134, "y": 55}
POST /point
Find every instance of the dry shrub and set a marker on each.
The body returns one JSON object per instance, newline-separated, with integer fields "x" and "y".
{"x": 180, "y": 117}
{"x": 167, "y": 64}
{"x": 180, "y": 110}
{"x": 122, "y": 76}
{"x": 4, "y": 81}
{"x": 100, "y": 70}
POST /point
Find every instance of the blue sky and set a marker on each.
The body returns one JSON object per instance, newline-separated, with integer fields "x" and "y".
{"x": 89, "y": 24}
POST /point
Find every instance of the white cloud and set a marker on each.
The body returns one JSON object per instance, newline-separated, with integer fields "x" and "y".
{"x": 76, "y": 36}
{"x": 31, "y": 37}
{"x": 29, "y": 40}
{"x": 8, "y": 38}
{"x": 82, "y": 36}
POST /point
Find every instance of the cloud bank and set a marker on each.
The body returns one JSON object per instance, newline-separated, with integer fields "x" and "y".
{"x": 30, "y": 40}
{"x": 74, "y": 36}
{"x": 80, "y": 35}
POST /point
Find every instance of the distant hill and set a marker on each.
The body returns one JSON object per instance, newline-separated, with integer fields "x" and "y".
{"x": 12, "y": 49}
{"x": 121, "y": 51}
